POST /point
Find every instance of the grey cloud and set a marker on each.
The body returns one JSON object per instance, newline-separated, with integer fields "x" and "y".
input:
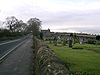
{"x": 75, "y": 17}
{"x": 50, "y": 19}
{"x": 88, "y": 19}
{"x": 84, "y": 29}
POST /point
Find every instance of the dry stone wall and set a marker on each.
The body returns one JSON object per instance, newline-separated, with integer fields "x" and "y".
{"x": 46, "y": 62}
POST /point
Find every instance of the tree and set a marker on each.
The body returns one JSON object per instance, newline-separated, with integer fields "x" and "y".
{"x": 15, "y": 25}
{"x": 34, "y": 25}
{"x": 12, "y": 23}
{"x": 41, "y": 35}
{"x": 71, "y": 40}
{"x": 98, "y": 37}
{"x": 55, "y": 40}
{"x": 21, "y": 26}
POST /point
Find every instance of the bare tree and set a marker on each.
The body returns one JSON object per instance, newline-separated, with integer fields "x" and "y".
{"x": 21, "y": 26}
{"x": 11, "y": 23}
{"x": 15, "y": 25}
{"x": 34, "y": 25}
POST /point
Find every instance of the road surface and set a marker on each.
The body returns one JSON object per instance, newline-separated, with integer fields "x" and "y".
{"x": 8, "y": 45}
{"x": 19, "y": 62}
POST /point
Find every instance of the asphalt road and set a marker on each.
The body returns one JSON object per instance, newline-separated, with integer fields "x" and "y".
{"x": 8, "y": 45}
{"x": 19, "y": 62}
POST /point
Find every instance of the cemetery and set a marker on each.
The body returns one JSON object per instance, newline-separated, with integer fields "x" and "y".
{"x": 80, "y": 52}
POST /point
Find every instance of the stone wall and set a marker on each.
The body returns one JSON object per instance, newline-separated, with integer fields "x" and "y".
{"x": 46, "y": 62}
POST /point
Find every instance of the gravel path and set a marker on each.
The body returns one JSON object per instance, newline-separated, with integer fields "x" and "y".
{"x": 19, "y": 62}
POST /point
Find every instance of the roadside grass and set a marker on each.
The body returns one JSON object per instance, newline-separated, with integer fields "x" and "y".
{"x": 81, "y": 61}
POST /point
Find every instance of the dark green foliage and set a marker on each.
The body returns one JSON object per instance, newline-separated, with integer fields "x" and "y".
{"x": 50, "y": 41}
{"x": 70, "y": 43}
{"x": 70, "y": 40}
{"x": 76, "y": 40}
{"x": 91, "y": 41}
{"x": 55, "y": 41}
{"x": 41, "y": 35}
{"x": 4, "y": 32}
{"x": 64, "y": 42}
{"x": 71, "y": 34}
{"x": 98, "y": 37}
{"x": 97, "y": 42}
{"x": 78, "y": 47}
{"x": 7, "y": 35}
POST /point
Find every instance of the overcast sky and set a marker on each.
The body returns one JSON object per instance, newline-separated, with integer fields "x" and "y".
{"x": 58, "y": 15}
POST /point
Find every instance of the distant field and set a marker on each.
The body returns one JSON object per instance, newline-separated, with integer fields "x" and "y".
{"x": 81, "y": 59}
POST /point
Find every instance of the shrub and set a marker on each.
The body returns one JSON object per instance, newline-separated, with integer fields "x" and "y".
{"x": 91, "y": 41}
{"x": 77, "y": 48}
{"x": 64, "y": 42}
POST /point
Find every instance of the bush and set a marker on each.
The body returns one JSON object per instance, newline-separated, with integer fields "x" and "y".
{"x": 77, "y": 48}
{"x": 98, "y": 42}
{"x": 91, "y": 41}
{"x": 64, "y": 42}
{"x": 98, "y": 37}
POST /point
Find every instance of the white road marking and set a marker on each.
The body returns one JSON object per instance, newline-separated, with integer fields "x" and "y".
{"x": 11, "y": 50}
{"x": 10, "y": 42}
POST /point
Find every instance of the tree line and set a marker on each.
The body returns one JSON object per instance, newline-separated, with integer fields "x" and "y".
{"x": 15, "y": 27}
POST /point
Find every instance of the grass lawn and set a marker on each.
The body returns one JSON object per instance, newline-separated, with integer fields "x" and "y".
{"x": 80, "y": 60}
